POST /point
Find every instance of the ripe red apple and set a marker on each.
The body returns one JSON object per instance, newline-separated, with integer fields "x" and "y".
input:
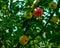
{"x": 23, "y": 40}
{"x": 37, "y": 12}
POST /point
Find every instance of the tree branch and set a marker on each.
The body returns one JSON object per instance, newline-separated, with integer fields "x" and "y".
{"x": 41, "y": 32}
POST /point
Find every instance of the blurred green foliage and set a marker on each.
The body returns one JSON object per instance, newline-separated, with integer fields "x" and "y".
{"x": 42, "y": 32}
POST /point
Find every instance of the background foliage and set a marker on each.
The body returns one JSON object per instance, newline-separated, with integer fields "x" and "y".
{"x": 42, "y": 32}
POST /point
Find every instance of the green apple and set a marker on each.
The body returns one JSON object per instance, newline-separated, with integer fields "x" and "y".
{"x": 23, "y": 40}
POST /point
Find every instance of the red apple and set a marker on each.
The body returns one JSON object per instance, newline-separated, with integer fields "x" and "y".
{"x": 37, "y": 12}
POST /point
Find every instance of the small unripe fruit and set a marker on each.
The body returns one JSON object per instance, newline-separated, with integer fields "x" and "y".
{"x": 23, "y": 40}
{"x": 53, "y": 5}
{"x": 54, "y": 19}
{"x": 28, "y": 15}
{"x": 37, "y": 12}
{"x": 28, "y": 6}
{"x": 32, "y": 6}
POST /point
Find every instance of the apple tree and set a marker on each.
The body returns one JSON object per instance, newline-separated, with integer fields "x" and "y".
{"x": 29, "y": 23}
